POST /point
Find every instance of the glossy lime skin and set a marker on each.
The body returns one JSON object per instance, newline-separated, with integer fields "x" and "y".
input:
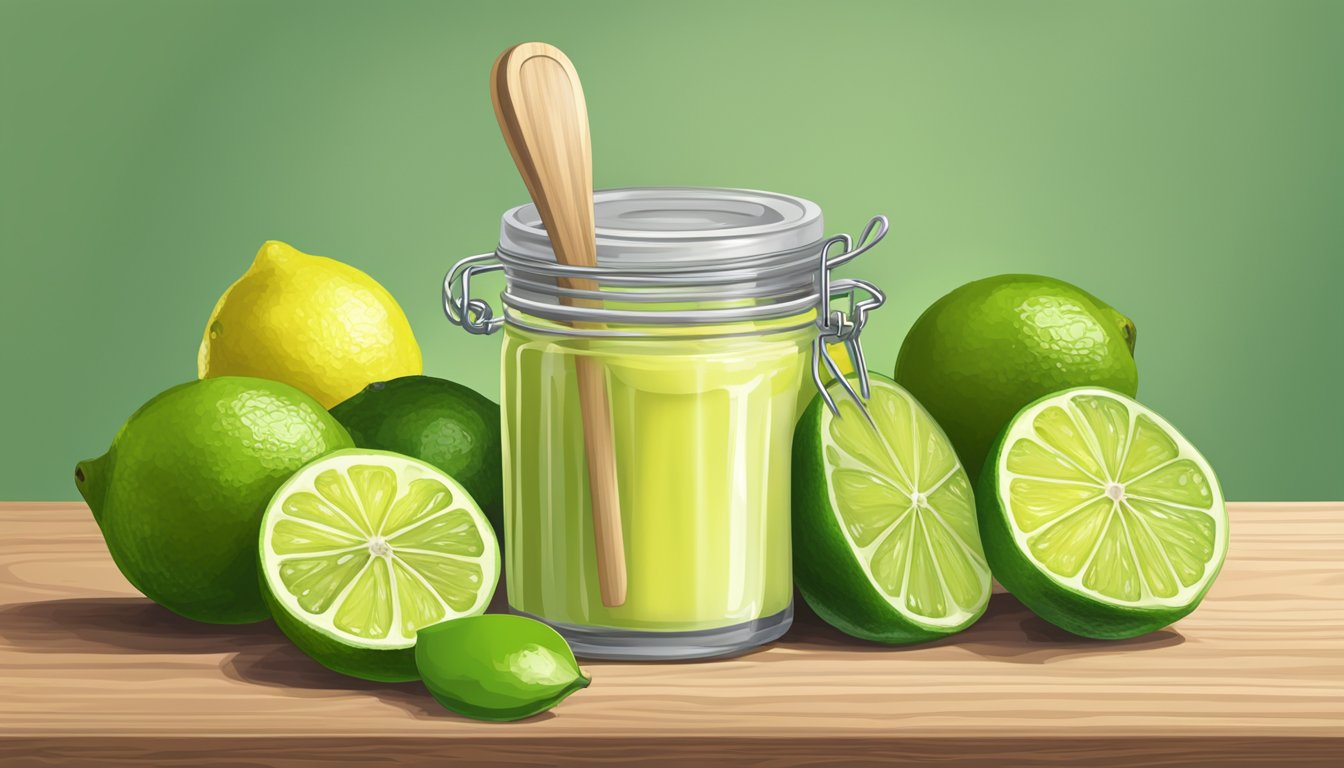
{"x": 1071, "y": 611}
{"x": 990, "y": 347}
{"x": 439, "y": 422}
{"x": 497, "y": 666}
{"x": 826, "y": 569}
{"x": 180, "y": 494}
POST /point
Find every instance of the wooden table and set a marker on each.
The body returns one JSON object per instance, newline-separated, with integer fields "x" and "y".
{"x": 92, "y": 673}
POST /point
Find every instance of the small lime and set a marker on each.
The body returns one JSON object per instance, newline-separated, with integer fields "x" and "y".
{"x": 497, "y": 667}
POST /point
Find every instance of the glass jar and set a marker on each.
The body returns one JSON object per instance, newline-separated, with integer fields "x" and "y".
{"x": 704, "y": 315}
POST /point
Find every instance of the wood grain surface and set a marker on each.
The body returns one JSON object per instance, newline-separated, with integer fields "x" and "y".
{"x": 92, "y": 673}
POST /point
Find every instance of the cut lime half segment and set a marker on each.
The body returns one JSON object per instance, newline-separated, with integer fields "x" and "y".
{"x": 885, "y": 533}
{"x": 1100, "y": 516}
{"x": 361, "y": 548}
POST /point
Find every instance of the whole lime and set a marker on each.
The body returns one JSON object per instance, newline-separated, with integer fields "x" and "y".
{"x": 497, "y": 667}
{"x": 987, "y": 349}
{"x": 439, "y": 422}
{"x": 180, "y": 494}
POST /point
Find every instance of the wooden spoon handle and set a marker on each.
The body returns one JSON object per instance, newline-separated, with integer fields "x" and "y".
{"x": 539, "y": 104}
{"x": 541, "y": 111}
{"x": 600, "y": 452}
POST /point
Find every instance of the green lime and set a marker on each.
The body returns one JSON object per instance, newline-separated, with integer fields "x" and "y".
{"x": 1099, "y": 516}
{"x": 985, "y": 350}
{"x": 885, "y": 543}
{"x": 180, "y": 493}
{"x": 360, "y": 549}
{"x": 438, "y": 421}
{"x": 497, "y": 667}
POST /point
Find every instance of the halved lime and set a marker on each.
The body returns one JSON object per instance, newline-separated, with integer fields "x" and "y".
{"x": 361, "y": 548}
{"x": 884, "y": 532}
{"x": 1099, "y": 516}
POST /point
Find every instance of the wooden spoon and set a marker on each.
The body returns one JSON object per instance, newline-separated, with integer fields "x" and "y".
{"x": 540, "y": 107}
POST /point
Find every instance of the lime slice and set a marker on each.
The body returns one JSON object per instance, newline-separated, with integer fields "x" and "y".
{"x": 884, "y": 532}
{"x": 1099, "y": 516}
{"x": 361, "y": 548}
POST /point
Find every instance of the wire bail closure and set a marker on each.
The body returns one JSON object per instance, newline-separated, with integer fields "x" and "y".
{"x": 839, "y": 326}
{"x": 472, "y": 315}
{"x": 834, "y": 326}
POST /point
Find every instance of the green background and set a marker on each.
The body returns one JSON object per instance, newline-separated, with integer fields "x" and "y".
{"x": 1183, "y": 160}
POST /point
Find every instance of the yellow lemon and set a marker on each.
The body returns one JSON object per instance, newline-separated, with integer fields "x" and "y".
{"x": 310, "y": 322}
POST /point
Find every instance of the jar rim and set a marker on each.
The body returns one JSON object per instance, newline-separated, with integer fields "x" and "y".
{"x": 756, "y": 285}
{"x": 677, "y": 229}
{"x": 670, "y": 256}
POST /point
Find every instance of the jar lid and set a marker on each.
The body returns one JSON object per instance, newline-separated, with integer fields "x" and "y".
{"x": 703, "y": 259}
{"x": 684, "y": 256}
{"x": 703, "y": 229}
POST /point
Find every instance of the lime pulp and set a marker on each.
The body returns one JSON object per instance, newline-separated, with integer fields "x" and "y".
{"x": 885, "y": 517}
{"x": 1102, "y": 516}
{"x": 362, "y": 548}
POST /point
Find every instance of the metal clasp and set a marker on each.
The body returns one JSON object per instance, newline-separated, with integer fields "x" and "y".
{"x": 838, "y": 326}
{"x": 834, "y": 325}
{"x": 473, "y": 315}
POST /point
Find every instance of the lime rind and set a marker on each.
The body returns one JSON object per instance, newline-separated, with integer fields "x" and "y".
{"x": 332, "y": 555}
{"x": 1111, "y": 502}
{"x": 906, "y": 509}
